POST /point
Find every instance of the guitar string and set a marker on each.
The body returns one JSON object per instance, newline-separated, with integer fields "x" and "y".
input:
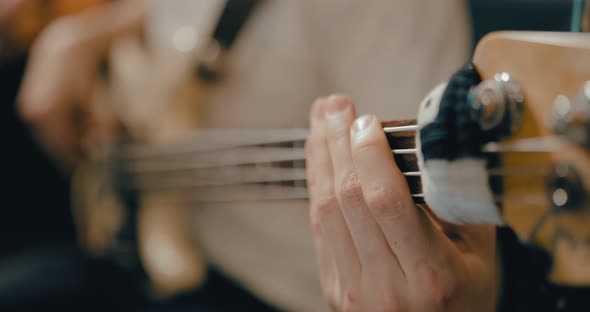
{"x": 146, "y": 151}
{"x": 243, "y": 176}
{"x": 240, "y": 174}
{"x": 218, "y": 139}
{"x": 545, "y": 144}
{"x": 265, "y": 189}
{"x": 253, "y": 156}
{"x": 263, "y": 174}
{"x": 260, "y": 193}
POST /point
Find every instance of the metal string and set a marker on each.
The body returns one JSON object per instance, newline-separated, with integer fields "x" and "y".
{"x": 215, "y": 163}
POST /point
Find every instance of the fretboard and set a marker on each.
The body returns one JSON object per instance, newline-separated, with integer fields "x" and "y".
{"x": 407, "y": 163}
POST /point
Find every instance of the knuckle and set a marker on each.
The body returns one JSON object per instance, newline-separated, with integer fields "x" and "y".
{"x": 384, "y": 204}
{"x": 311, "y": 143}
{"x": 331, "y": 296}
{"x": 390, "y": 301}
{"x": 324, "y": 208}
{"x": 316, "y": 227}
{"x": 349, "y": 189}
{"x": 438, "y": 288}
{"x": 350, "y": 301}
{"x": 332, "y": 303}
{"x": 337, "y": 132}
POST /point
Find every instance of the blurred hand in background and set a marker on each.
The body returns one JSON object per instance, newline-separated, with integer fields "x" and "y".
{"x": 58, "y": 96}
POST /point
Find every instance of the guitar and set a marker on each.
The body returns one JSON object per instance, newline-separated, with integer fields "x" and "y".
{"x": 526, "y": 162}
{"x": 24, "y": 20}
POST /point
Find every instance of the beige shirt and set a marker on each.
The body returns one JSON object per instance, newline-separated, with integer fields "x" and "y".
{"x": 386, "y": 54}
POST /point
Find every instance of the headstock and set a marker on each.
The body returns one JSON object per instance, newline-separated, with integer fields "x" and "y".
{"x": 547, "y": 202}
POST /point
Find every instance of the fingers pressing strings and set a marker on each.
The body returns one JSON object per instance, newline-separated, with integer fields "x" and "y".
{"x": 326, "y": 218}
{"x": 387, "y": 195}
{"x": 368, "y": 239}
{"x": 261, "y": 164}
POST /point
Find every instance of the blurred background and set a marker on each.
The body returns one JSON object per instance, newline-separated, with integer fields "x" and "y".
{"x": 41, "y": 262}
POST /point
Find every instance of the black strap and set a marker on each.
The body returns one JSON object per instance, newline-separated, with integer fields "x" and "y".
{"x": 232, "y": 19}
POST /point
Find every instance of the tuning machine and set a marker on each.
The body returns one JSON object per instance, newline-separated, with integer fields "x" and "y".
{"x": 565, "y": 188}
{"x": 497, "y": 104}
{"x": 572, "y": 118}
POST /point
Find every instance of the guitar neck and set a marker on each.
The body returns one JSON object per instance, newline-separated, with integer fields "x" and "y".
{"x": 407, "y": 163}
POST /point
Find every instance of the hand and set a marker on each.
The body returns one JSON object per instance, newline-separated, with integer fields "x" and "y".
{"x": 56, "y": 91}
{"x": 376, "y": 250}
{"x": 59, "y": 97}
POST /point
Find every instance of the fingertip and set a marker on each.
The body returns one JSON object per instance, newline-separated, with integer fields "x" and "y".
{"x": 364, "y": 127}
{"x": 336, "y": 104}
{"x": 339, "y": 97}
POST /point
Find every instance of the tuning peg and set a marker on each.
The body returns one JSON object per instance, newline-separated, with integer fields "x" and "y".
{"x": 497, "y": 104}
{"x": 572, "y": 118}
{"x": 565, "y": 188}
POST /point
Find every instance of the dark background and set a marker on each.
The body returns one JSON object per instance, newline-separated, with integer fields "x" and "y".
{"x": 490, "y": 15}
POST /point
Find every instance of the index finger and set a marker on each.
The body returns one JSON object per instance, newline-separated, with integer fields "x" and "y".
{"x": 408, "y": 232}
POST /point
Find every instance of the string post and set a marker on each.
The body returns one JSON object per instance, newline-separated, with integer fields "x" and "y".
{"x": 497, "y": 105}
{"x": 565, "y": 188}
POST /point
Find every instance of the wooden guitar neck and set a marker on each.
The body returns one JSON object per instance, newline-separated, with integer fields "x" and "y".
{"x": 407, "y": 163}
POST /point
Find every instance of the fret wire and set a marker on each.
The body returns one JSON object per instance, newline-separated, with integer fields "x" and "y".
{"x": 404, "y": 151}
{"x": 399, "y": 129}
{"x": 412, "y": 173}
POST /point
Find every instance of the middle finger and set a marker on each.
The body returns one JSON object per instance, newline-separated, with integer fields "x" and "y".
{"x": 368, "y": 238}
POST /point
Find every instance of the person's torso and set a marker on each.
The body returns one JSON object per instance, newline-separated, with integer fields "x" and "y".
{"x": 385, "y": 54}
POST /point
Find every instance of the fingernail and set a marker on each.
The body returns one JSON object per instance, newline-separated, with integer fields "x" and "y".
{"x": 362, "y": 123}
{"x": 336, "y": 105}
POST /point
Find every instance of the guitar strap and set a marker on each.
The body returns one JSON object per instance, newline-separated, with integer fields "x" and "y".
{"x": 231, "y": 21}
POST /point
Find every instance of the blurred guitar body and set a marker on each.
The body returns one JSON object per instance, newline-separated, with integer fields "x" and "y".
{"x": 22, "y": 20}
